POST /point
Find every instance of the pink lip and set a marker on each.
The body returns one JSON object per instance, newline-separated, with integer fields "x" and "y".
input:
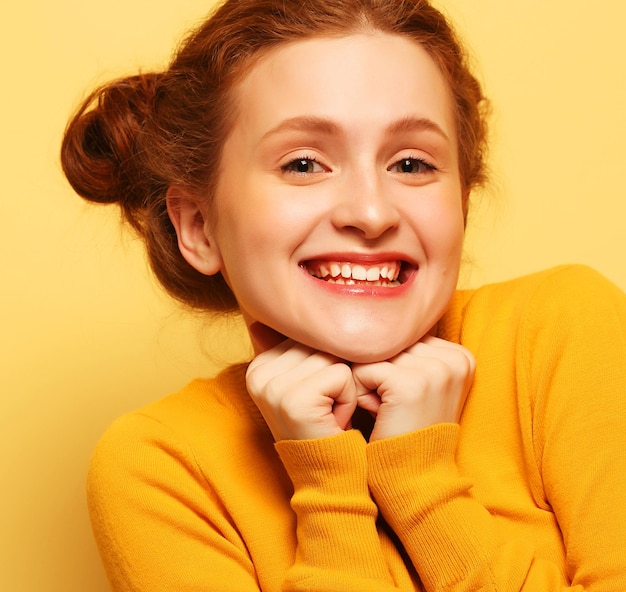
{"x": 363, "y": 258}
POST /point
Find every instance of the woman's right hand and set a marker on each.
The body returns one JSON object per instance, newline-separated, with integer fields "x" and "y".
{"x": 302, "y": 393}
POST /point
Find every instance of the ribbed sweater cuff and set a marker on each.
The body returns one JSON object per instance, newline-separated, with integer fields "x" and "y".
{"x": 336, "y": 464}
{"x": 416, "y": 484}
{"x": 429, "y": 450}
{"x": 336, "y": 516}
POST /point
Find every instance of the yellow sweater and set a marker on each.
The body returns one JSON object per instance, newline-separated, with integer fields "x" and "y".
{"x": 528, "y": 493}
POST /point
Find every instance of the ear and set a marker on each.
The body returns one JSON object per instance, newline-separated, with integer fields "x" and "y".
{"x": 195, "y": 244}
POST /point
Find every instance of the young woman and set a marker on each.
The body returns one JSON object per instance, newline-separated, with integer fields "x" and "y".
{"x": 310, "y": 164}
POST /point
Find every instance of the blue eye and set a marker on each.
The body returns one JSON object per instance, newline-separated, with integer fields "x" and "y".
{"x": 412, "y": 166}
{"x": 303, "y": 166}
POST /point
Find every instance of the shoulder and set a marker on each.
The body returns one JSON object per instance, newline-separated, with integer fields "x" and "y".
{"x": 558, "y": 293}
{"x": 569, "y": 285}
{"x": 566, "y": 302}
{"x": 562, "y": 284}
{"x": 210, "y": 399}
{"x": 568, "y": 320}
{"x": 181, "y": 432}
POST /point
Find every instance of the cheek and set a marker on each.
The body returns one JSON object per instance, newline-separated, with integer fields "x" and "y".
{"x": 441, "y": 230}
{"x": 456, "y": 234}
{"x": 452, "y": 256}
{"x": 241, "y": 223}
{"x": 249, "y": 238}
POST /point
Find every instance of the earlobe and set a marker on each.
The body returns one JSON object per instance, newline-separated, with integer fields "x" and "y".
{"x": 188, "y": 218}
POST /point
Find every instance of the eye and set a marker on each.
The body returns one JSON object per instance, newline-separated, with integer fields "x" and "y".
{"x": 303, "y": 166}
{"x": 412, "y": 166}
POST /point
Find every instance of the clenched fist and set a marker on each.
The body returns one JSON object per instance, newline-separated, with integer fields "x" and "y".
{"x": 302, "y": 393}
{"x": 423, "y": 385}
{"x": 306, "y": 394}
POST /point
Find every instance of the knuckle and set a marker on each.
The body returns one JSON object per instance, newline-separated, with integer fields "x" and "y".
{"x": 253, "y": 381}
{"x": 342, "y": 372}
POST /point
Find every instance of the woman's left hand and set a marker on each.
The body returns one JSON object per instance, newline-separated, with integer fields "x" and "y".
{"x": 424, "y": 385}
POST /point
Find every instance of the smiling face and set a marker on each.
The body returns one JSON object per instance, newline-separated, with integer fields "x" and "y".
{"x": 338, "y": 216}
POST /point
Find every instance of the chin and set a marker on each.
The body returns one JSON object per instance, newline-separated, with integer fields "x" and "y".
{"x": 365, "y": 353}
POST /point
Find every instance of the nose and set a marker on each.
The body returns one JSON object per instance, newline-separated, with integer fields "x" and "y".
{"x": 365, "y": 207}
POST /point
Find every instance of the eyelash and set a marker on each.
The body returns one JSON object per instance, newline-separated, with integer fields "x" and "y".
{"x": 414, "y": 160}
{"x": 288, "y": 167}
{"x": 312, "y": 161}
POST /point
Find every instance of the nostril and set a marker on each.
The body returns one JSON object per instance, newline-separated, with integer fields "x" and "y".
{"x": 366, "y": 208}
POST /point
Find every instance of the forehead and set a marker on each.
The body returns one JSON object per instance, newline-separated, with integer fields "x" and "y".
{"x": 355, "y": 80}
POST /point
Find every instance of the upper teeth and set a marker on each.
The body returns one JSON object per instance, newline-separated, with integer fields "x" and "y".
{"x": 374, "y": 273}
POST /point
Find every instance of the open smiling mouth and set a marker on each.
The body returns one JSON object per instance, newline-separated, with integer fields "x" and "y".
{"x": 389, "y": 274}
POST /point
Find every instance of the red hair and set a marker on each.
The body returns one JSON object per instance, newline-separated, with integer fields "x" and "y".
{"x": 133, "y": 138}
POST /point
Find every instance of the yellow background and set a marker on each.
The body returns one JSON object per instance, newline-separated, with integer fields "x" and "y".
{"x": 86, "y": 335}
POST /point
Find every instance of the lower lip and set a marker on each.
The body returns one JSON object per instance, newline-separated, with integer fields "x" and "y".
{"x": 363, "y": 289}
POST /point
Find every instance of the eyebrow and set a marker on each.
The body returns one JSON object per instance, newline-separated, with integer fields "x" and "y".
{"x": 311, "y": 123}
{"x": 410, "y": 124}
{"x": 306, "y": 123}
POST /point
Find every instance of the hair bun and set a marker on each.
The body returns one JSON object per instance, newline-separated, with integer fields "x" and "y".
{"x": 100, "y": 154}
